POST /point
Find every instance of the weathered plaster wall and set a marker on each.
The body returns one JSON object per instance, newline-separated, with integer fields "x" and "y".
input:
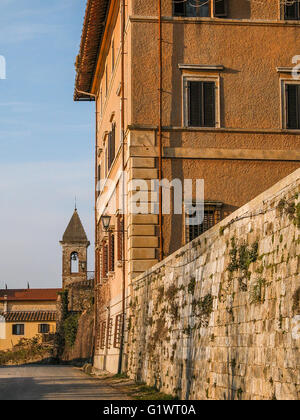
{"x": 220, "y": 318}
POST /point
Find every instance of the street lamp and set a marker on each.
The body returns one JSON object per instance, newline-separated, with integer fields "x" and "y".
{"x": 105, "y": 219}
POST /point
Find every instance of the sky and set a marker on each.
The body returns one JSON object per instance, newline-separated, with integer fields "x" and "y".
{"x": 46, "y": 140}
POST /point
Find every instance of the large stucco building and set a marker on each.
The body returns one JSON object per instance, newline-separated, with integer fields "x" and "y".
{"x": 203, "y": 91}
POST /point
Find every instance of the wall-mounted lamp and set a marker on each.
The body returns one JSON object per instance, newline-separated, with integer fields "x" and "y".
{"x": 105, "y": 222}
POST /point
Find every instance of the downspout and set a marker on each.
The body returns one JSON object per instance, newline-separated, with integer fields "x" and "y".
{"x": 123, "y": 182}
{"x": 96, "y": 281}
{"x": 160, "y": 130}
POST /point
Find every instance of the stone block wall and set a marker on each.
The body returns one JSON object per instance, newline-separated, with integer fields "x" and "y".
{"x": 220, "y": 318}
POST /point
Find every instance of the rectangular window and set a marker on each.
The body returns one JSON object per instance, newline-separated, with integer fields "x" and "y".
{"x": 292, "y": 101}
{"x": 292, "y": 10}
{"x": 220, "y": 8}
{"x": 44, "y": 328}
{"x": 120, "y": 237}
{"x": 112, "y": 55}
{"x": 191, "y": 8}
{"x": 102, "y": 334}
{"x": 212, "y": 216}
{"x": 118, "y": 331}
{"x": 201, "y": 103}
{"x": 111, "y": 146}
{"x": 104, "y": 260}
{"x": 98, "y": 179}
{"x": 109, "y": 333}
{"x": 111, "y": 240}
{"x": 18, "y": 329}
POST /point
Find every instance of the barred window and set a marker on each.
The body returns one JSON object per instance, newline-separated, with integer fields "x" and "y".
{"x": 118, "y": 331}
{"x": 212, "y": 215}
{"x": 109, "y": 333}
{"x": 120, "y": 222}
{"x": 111, "y": 262}
{"x": 102, "y": 334}
{"x": 104, "y": 260}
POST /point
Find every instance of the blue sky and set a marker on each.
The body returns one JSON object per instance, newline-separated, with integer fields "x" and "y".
{"x": 46, "y": 140}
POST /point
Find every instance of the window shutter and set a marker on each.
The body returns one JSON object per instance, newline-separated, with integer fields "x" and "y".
{"x": 178, "y": 8}
{"x": 120, "y": 238}
{"x": 104, "y": 260}
{"x": 113, "y": 143}
{"x": 111, "y": 263}
{"x": 292, "y": 104}
{"x": 98, "y": 179}
{"x": 195, "y": 103}
{"x": 220, "y": 8}
{"x": 209, "y": 104}
{"x": 291, "y": 11}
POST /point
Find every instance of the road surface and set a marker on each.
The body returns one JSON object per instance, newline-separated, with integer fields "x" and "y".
{"x": 38, "y": 382}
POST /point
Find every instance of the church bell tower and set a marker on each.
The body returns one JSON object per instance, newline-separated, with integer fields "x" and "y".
{"x": 74, "y": 252}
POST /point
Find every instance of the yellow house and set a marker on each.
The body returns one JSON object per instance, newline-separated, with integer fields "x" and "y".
{"x": 25, "y": 313}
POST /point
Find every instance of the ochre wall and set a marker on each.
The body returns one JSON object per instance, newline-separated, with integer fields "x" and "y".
{"x": 31, "y": 329}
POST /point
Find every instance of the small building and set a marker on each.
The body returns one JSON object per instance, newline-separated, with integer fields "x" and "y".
{"x": 26, "y": 313}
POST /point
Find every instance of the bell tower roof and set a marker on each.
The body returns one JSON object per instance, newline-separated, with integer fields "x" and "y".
{"x": 75, "y": 231}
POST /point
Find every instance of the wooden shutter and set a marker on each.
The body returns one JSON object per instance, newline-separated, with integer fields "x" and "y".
{"x": 292, "y": 106}
{"x": 194, "y": 103}
{"x": 201, "y": 104}
{"x": 104, "y": 260}
{"x": 98, "y": 179}
{"x": 209, "y": 104}
{"x": 111, "y": 146}
{"x": 220, "y": 8}
{"x": 120, "y": 237}
{"x": 111, "y": 263}
{"x": 178, "y": 8}
{"x": 291, "y": 11}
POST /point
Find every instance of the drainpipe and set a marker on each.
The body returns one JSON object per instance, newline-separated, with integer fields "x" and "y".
{"x": 160, "y": 128}
{"x": 123, "y": 182}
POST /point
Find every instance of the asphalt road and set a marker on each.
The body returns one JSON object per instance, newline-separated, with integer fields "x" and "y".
{"x": 38, "y": 382}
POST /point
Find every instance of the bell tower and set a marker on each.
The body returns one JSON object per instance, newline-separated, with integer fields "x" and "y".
{"x": 74, "y": 252}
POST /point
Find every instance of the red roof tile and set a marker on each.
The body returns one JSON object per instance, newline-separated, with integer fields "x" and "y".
{"x": 91, "y": 39}
{"x": 29, "y": 294}
{"x": 33, "y": 316}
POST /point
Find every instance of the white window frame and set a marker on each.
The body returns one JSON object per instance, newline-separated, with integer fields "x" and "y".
{"x": 185, "y": 104}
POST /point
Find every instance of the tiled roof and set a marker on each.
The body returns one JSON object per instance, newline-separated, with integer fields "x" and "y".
{"x": 29, "y": 294}
{"x": 91, "y": 39}
{"x": 75, "y": 231}
{"x": 24, "y": 316}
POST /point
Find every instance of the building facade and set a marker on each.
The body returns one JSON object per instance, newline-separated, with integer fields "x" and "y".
{"x": 26, "y": 313}
{"x": 192, "y": 90}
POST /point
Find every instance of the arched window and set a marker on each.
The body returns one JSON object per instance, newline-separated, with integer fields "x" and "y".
{"x": 74, "y": 263}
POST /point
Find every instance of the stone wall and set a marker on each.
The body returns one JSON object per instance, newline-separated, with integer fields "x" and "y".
{"x": 220, "y": 318}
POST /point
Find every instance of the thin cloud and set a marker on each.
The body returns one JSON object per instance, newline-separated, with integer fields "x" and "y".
{"x": 18, "y": 33}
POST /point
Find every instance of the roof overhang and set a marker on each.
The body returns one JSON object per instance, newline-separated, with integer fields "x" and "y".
{"x": 91, "y": 39}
